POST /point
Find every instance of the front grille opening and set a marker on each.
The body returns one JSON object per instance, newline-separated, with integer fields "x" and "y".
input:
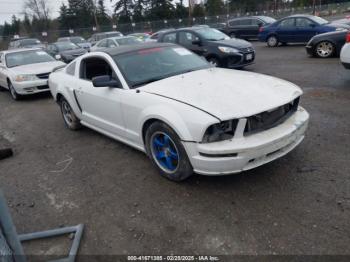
{"x": 43, "y": 76}
{"x": 270, "y": 119}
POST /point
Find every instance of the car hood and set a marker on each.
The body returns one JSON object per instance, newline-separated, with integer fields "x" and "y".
{"x": 40, "y": 68}
{"x": 78, "y": 51}
{"x": 233, "y": 42}
{"x": 226, "y": 94}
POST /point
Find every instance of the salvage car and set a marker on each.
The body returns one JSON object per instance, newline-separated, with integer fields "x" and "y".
{"x": 65, "y": 51}
{"x": 185, "y": 114}
{"x": 296, "y": 29}
{"x": 326, "y": 45}
{"x": 78, "y": 40}
{"x": 25, "y": 42}
{"x": 99, "y": 36}
{"x": 26, "y": 71}
{"x": 345, "y": 53}
{"x": 246, "y": 27}
{"x": 219, "y": 49}
{"x": 116, "y": 41}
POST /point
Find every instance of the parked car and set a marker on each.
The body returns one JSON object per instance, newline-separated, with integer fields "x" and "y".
{"x": 154, "y": 36}
{"x": 296, "y": 29}
{"x": 345, "y": 53}
{"x": 218, "y": 48}
{"x": 246, "y": 27}
{"x": 186, "y": 115}
{"x": 326, "y": 45}
{"x": 345, "y": 20}
{"x": 78, "y": 40}
{"x": 25, "y": 43}
{"x": 26, "y": 71}
{"x": 144, "y": 37}
{"x": 115, "y": 41}
{"x": 99, "y": 36}
{"x": 65, "y": 51}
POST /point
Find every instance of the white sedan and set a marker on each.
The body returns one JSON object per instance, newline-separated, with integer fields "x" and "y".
{"x": 345, "y": 53}
{"x": 184, "y": 114}
{"x": 115, "y": 41}
{"x": 26, "y": 71}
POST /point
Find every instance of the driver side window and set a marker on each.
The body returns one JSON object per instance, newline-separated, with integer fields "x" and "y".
{"x": 95, "y": 66}
{"x": 186, "y": 38}
{"x": 288, "y": 23}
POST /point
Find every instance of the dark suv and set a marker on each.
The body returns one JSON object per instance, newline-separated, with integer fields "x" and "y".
{"x": 215, "y": 46}
{"x": 246, "y": 27}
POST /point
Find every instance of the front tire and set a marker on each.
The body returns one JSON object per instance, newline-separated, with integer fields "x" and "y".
{"x": 272, "y": 41}
{"x": 15, "y": 96}
{"x": 324, "y": 49}
{"x": 167, "y": 153}
{"x": 69, "y": 117}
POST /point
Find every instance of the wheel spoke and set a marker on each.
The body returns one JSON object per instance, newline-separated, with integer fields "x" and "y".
{"x": 158, "y": 143}
{"x": 169, "y": 163}
{"x": 160, "y": 155}
{"x": 166, "y": 141}
{"x": 173, "y": 154}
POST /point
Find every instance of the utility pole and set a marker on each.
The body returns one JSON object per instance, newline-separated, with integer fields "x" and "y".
{"x": 314, "y": 7}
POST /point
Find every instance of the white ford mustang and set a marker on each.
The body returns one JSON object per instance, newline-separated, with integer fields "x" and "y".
{"x": 186, "y": 115}
{"x": 26, "y": 71}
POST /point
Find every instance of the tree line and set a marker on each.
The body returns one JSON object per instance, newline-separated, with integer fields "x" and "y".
{"x": 88, "y": 13}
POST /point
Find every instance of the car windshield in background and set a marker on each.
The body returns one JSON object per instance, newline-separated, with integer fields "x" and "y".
{"x": 319, "y": 20}
{"x": 128, "y": 41}
{"x": 77, "y": 40}
{"x": 268, "y": 20}
{"x": 157, "y": 63}
{"x": 64, "y": 46}
{"x": 27, "y": 58}
{"x": 212, "y": 34}
{"x": 27, "y": 42}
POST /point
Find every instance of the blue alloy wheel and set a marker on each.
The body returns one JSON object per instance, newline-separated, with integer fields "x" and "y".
{"x": 164, "y": 152}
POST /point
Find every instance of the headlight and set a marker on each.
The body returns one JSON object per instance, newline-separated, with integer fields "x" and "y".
{"x": 58, "y": 57}
{"x": 221, "y": 131}
{"x": 23, "y": 78}
{"x": 228, "y": 50}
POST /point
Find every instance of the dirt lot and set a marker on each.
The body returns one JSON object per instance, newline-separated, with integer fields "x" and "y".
{"x": 299, "y": 204}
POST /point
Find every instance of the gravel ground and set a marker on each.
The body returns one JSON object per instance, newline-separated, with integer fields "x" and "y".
{"x": 299, "y": 204}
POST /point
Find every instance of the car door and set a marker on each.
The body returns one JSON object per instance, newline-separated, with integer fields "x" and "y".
{"x": 306, "y": 29}
{"x": 286, "y": 30}
{"x": 255, "y": 26}
{"x": 187, "y": 39}
{"x": 100, "y": 106}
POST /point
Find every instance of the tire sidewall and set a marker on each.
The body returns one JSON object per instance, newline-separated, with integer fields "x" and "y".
{"x": 185, "y": 169}
{"x": 13, "y": 92}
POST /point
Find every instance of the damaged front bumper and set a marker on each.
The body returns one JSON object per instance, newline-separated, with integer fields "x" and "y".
{"x": 247, "y": 152}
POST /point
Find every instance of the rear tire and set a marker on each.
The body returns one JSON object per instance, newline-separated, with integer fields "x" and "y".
{"x": 272, "y": 41}
{"x": 167, "y": 153}
{"x": 71, "y": 121}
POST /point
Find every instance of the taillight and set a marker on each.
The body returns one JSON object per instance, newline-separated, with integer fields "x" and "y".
{"x": 261, "y": 29}
{"x": 348, "y": 37}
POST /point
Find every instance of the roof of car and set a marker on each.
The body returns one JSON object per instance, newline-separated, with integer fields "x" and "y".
{"x": 20, "y": 50}
{"x": 131, "y": 48}
{"x": 301, "y": 15}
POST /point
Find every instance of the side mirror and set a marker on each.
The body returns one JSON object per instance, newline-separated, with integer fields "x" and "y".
{"x": 196, "y": 42}
{"x": 313, "y": 25}
{"x": 105, "y": 81}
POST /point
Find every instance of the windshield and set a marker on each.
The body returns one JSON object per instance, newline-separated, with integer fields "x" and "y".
{"x": 268, "y": 20}
{"x": 27, "y": 42}
{"x": 128, "y": 41}
{"x": 77, "y": 40}
{"x": 63, "y": 46}
{"x": 27, "y": 57}
{"x": 319, "y": 20}
{"x": 157, "y": 63}
{"x": 211, "y": 34}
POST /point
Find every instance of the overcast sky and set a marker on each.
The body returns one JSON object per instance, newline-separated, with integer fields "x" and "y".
{"x": 15, "y": 7}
